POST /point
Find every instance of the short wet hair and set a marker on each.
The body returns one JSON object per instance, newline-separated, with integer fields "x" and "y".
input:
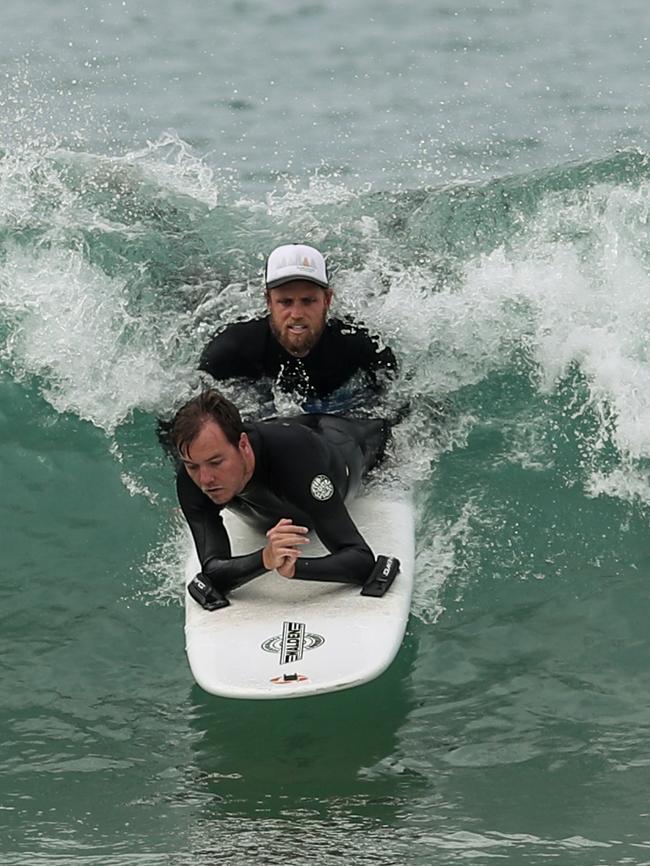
{"x": 209, "y": 405}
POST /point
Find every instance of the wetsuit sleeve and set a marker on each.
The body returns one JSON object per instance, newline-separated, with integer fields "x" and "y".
{"x": 369, "y": 354}
{"x": 378, "y": 358}
{"x": 380, "y": 366}
{"x": 350, "y": 559}
{"x": 309, "y": 486}
{"x": 224, "y": 571}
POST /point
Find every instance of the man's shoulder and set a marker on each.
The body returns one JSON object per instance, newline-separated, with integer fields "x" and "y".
{"x": 345, "y": 332}
{"x": 346, "y": 327}
{"x": 352, "y": 336}
{"x": 288, "y": 441}
{"x": 281, "y": 430}
{"x": 231, "y": 351}
{"x": 249, "y": 327}
{"x": 358, "y": 345}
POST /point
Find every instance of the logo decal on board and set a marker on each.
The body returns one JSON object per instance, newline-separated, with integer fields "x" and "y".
{"x": 288, "y": 679}
{"x": 292, "y": 643}
{"x": 322, "y": 488}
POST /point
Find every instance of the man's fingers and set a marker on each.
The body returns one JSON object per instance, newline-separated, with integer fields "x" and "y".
{"x": 287, "y": 538}
{"x": 279, "y": 552}
{"x": 293, "y": 539}
{"x": 284, "y": 539}
{"x": 276, "y": 552}
{"x": 284, "y": 521}
{"x": 286, "y": 525}
{"x": 283, "y": 558}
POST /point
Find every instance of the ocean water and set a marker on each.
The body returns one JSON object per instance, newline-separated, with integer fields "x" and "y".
{"x": 479, "y": 175}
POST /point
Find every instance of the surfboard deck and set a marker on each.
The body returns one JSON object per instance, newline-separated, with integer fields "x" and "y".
{"x": 282, "y": 638}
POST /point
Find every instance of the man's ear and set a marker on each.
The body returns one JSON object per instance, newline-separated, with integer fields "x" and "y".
{"x": 329, "y": 294}
{"x": 244, "y": 442}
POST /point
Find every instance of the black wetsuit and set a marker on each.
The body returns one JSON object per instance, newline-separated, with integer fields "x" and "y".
{"x": 300, "y": 473}
{"x": 250, "y": 350}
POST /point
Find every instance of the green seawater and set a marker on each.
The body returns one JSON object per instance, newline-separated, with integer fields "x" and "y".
{"x": 479, "y": 175}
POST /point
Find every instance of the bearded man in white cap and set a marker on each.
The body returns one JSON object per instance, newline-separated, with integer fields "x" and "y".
{"x": 324, "y": 364}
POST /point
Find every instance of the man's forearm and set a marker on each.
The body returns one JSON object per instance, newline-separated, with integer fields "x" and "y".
{"x": 350, "y": 565}
{"x": 227, "y": 574}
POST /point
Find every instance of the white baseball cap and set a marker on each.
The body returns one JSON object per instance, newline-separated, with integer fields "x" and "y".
{"x": 295, "y": 262}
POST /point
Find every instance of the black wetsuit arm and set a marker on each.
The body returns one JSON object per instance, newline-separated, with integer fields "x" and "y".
{"x": 237, "y": 351}
{"x": 384, "y": 359}
{"x": 381, "y": 368}
{"x": 367, "y": 353}
{"x": 305, "y": 467}
{"x": 225, "y": 572}
{"x": 300, "y": 474}
{"x": 350, "y": 559}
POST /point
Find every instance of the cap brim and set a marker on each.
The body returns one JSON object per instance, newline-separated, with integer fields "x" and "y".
{"x": 295, "y": 278}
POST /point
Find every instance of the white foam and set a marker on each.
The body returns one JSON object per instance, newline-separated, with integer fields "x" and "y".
{"x": 629, "y": 483}
{"x": 164, "y": 567}
{"x": 573, "y": 290}
{"x": 173, "y": 165}
{"x": 70, "y": 325}
{"x": 438, "y": 560}
{"x": 569, "y": 291}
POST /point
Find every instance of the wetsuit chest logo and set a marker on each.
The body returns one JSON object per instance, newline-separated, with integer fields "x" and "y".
{"x": 322, "y": 488}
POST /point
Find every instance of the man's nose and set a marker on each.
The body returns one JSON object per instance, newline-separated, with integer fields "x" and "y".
{"x": 206, "y": 475}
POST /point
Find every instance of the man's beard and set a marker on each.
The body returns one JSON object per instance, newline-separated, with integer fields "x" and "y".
{"x": 297, "y": 345}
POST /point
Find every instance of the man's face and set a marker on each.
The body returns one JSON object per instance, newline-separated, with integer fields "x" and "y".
{"x": 218, "y": 467}
{"x": 298, "y": 311}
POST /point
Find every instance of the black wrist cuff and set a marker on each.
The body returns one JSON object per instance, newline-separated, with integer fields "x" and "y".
{"x": 383, "y": 574}
{"x": 205, "y": 594}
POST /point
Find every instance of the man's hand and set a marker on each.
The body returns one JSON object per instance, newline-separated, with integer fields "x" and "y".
{"x": 283, "y": 547}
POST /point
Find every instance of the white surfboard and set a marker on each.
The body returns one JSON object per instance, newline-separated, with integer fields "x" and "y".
{"x": 282, "y": 638}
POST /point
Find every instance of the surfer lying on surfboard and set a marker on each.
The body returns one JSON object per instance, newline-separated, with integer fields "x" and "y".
{"x": 285, "y": 476}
